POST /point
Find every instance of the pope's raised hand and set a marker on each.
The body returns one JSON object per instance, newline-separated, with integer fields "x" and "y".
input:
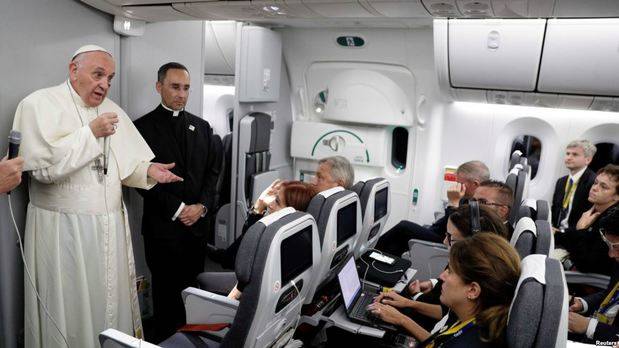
{"x": 104, "y": 125}
{"x": 161, "y": 173}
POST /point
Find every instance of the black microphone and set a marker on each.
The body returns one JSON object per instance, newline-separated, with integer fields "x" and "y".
{"x": 106, "y": 153}
{"x": 14, "y": 141}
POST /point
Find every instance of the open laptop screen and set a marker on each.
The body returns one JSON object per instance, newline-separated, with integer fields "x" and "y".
{"x": 349, "y": 282}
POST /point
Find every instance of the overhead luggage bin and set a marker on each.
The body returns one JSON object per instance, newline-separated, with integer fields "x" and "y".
{"x": 580, "y": 57}
{"x": 501, "y": 54}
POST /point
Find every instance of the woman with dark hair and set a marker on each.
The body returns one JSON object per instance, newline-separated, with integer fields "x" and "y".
{"x": 424, "y": 306}
{"x": 478, "y": 287}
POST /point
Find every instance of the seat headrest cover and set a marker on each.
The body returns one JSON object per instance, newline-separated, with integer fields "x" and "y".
{"x": 523, "y": 225}
{"x": 331, "y": 191}
{"x": 358, "y": 187}
{"x": 530, "y": 202}
{"x": 269, "y": 219}
{"x": 532, "y": 266}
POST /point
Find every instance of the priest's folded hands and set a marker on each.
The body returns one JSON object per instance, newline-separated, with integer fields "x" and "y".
{"x": 161, "y": 173}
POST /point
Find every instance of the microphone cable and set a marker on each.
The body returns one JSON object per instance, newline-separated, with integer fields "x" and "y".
{"x": 29, "y": 275}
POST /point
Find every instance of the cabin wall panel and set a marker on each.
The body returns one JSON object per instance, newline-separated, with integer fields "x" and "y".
{"x": 37, "y": 39}
{"x": 411, "y": 49}
{"x": 494, "y": 127}
{"x": 162, "y": 42}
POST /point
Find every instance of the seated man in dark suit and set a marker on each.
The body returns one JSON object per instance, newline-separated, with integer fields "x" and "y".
{"x": 593, "y": 317}
{"x": 468, "y": 176}
{"x": 569, "y": 200}
{"x": 582, "y": 248}
{"x": 499, "y": 197}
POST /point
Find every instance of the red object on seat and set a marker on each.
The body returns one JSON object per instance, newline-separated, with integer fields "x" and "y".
{"x": 204, "y": 327}
{"x": 450, "y": 177}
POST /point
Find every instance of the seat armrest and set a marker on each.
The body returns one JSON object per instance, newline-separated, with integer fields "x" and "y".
{"x": 112, "y": 338}
{"x": 425, "y": 242}
{"x": 599, "y": 281}
{"x": 203, "y": 307}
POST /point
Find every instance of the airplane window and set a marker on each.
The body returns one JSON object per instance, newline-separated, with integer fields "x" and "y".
{"x": 399, "y": 148}
{"x": 607, "y": 153}
{"x": 320, "y": 101}
{"x": 531, "y": 147}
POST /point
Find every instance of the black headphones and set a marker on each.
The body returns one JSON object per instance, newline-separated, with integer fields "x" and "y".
{"x": 474, "y": 216}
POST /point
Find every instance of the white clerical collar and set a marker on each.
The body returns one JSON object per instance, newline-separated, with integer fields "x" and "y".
{"x": 76, "y": 97}
{"x": 578, "y": 174}
{"x": 174, "y": 112}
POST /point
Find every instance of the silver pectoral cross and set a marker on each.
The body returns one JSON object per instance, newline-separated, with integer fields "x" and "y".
{"x": 98, "y": 166}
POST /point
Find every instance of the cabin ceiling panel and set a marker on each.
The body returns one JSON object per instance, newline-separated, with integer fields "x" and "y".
{"x": 340, "y": 9}
{"x": 142, "y": 2}
{"x": 298, "y": 12}
{"x": 246, "y": 10}
{"x": 591, "y": 9}
{"x": 220, "y": 47}
{"x": 157, "y": 13}
{"x": 397, "y": 9}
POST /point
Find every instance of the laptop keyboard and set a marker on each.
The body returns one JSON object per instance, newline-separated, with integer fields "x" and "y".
{"x": 360, "y": 309}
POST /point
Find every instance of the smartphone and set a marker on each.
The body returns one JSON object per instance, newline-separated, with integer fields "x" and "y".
{"x": 382, "y": 258}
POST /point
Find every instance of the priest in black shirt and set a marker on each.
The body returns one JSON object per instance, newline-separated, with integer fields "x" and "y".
{"x": 174, "y": 221}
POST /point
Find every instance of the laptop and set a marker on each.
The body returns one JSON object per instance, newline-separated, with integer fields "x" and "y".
{"x": 356, "y": 299}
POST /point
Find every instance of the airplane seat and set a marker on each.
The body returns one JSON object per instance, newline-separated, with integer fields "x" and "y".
{"x": 276, "y": 261}
{"x": 357, "y": 188}
{"x": 225, "y": 176}
{"x": 534, "y": 209}
{"x": 254, "y": 173}
{"x": 428, "y": 258}
{"x": 543, "y": 210}
{"x": 599, "y": 281}
{"x": 218, "y": 146}
{"x": 516, "y": 179}
{"x": 375, "y": 210}
{"x": 538, "y": 313}
{"x": 545, "y": 242}
{"x": 338, "y": 217}
{"x": 515, "y": 158}
{"x": 524, "y": 238}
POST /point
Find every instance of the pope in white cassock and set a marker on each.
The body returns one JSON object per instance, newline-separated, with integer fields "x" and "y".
{"x": 78, "y": 243}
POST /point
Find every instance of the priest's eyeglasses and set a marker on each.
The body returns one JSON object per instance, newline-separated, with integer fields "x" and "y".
{"x": 614, "y": 246}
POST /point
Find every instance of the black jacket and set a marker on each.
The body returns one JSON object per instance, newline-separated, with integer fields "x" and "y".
{"x": 587, "y": 250}
{"x": 604, "y": 332}
{"x": 195, "y": 157}
{"x": 580, "y": 204}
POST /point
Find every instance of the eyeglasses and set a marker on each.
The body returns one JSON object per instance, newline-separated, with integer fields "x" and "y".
{"x": 614, "y": 246}
{"x": 485, "y": 202}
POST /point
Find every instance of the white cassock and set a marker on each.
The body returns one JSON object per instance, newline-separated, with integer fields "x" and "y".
{"x": 77, "y": 239}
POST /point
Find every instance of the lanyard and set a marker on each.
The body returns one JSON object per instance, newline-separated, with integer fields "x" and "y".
{"x": 569, "y": 192}
{"x": 454, "y": 331}
{"x": 610, "y": 300}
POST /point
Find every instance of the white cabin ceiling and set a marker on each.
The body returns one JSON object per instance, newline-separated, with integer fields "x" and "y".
{"x": 353, "y": 13}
